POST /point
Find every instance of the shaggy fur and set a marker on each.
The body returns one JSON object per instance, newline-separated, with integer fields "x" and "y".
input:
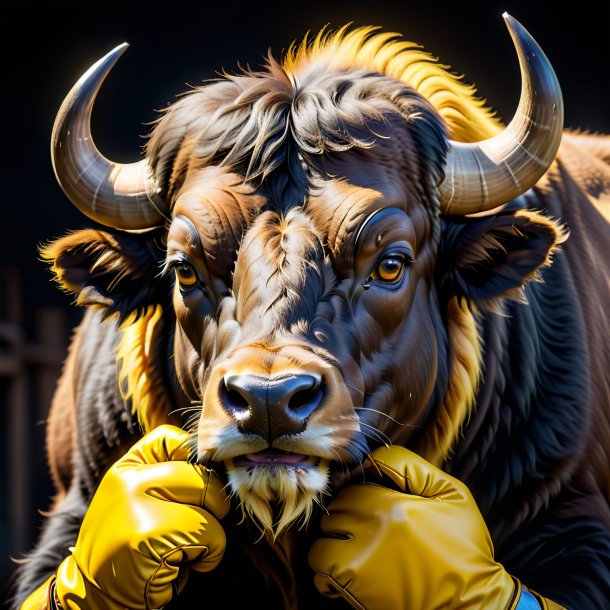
{"x": 286, "y": 186}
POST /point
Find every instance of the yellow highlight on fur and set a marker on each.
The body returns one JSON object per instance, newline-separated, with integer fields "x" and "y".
{"x": 365, "y": 48}
{"x": 465, "y": 370}
{"x": 139, "y": 381}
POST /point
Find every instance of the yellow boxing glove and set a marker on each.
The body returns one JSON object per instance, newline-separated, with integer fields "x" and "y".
{"x": 152, "y": 518}
{"x": 426, "y": 547}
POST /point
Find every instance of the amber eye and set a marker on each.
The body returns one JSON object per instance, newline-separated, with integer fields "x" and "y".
{"x": 186, "y": 275}
{"x": 390, "y": 269}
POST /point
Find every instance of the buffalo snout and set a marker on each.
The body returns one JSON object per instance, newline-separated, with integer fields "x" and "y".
{"x": 271, "y": 406}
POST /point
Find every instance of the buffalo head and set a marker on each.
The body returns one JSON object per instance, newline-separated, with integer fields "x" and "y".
{"x": 302, "y": 231}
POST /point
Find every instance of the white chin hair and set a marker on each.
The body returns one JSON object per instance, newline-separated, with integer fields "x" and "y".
{"x": 288, "y": 491}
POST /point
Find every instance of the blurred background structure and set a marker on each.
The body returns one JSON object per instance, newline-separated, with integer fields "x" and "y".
{"x": 188, "y": 42}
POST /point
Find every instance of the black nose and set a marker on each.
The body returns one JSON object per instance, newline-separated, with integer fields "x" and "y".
{"x": 271, "y": 406}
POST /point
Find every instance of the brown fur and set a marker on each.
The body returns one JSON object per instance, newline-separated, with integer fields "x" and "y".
{"x": 270, "y": 177}
{"x": 61, "y": 423}
{"x": 583, "y": 170}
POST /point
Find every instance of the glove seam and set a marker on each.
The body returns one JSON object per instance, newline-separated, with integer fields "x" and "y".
{"x": 163, "y": 564}
{"x": 514, "y": 601}
{"x": 345, "y": 592}
{"x": 54, "y": 602}
{"x": 400, "y": 475}
{"x": 388, "y": 467}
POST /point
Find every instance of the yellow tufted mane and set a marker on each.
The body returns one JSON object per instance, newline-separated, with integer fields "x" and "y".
{"x": 140, "y": 383}
{"x": 365, "y": 48}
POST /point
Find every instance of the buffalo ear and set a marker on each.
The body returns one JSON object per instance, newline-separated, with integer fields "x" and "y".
{"x": 118, "y": 272}
{"x": 488, "y": 259}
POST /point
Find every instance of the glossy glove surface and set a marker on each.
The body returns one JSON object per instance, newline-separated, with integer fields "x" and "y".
{"x": 425, "y": 547}
{"x": 153, "y": 517}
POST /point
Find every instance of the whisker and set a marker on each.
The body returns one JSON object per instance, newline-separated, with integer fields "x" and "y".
{"x": 358, "y": 390}
{"x": 384, "y": 438}
{"x": 185, "y": 410}
{"x": 338, "y": 459}
{"x": 191, "y": 422}
{"x": 399, "y": 423}
{"x": 375, "y": 438}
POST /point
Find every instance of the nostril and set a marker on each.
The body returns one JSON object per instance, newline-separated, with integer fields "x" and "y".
{"x": 285, "y": 401}
{"x": 233, "y": 401}
{"x": 304, "y": 402}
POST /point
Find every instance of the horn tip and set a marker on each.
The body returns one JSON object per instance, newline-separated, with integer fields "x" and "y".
{"x": 119, "y": 50}
{"x": 511, "y": 22}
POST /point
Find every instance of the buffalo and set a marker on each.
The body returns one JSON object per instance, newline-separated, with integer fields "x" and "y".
{"x": 338, "y": 252}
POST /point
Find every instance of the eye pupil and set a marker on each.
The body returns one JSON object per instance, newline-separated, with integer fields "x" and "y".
{"x": 186, "y": 275}
{"x": 391, "y": 265}
{"x": 390, "y": 269}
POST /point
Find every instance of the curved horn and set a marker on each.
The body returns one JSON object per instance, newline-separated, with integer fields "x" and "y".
{"x": 123, "y": 196}
{"x": 484, "y": 175}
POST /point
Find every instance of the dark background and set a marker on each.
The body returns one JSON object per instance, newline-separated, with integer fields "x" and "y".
{"x": 45, "y": 50}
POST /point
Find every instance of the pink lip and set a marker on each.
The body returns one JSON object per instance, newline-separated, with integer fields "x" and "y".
{"x": 275, "y": 457}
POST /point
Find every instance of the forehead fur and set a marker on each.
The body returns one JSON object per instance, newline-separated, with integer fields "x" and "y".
{"x": 335, "y": 92}
{"x": 367, "y": 48}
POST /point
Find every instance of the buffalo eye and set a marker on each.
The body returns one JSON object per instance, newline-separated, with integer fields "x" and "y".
{"x": 390, "y": 269}
{"x": 186, "y": 275}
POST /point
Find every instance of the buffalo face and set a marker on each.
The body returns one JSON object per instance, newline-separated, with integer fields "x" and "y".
{"x": 294, "y": 325}
{"x": 318, "y": 303}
